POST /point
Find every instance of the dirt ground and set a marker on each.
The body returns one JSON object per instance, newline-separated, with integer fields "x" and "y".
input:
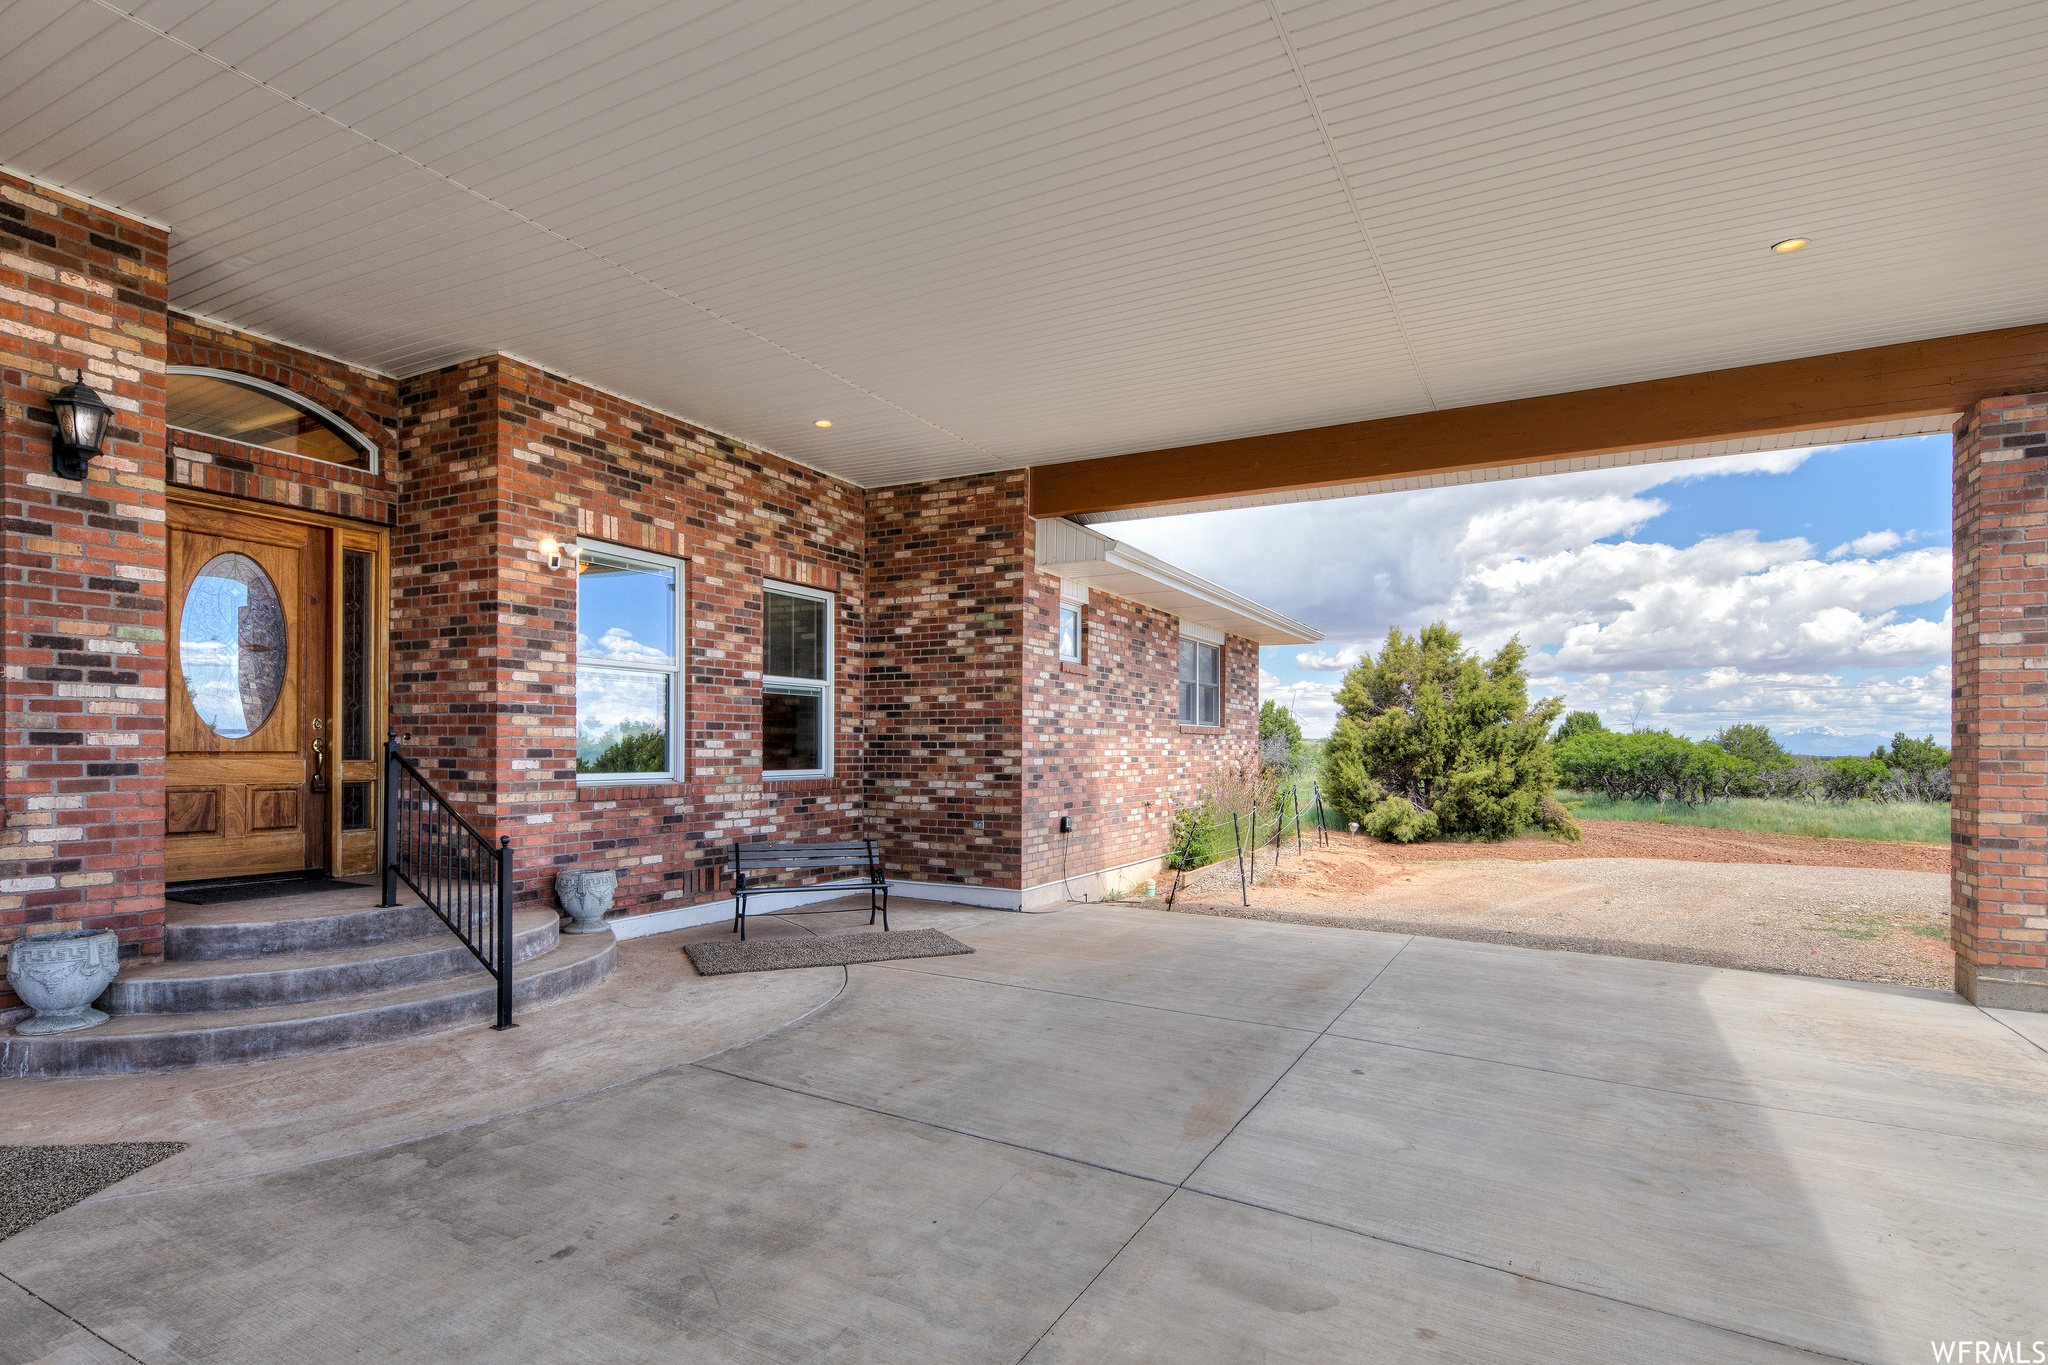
{"x": 1846, "y": 908}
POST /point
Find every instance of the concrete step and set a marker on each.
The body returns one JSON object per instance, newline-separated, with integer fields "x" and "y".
{"x": 212, "y": 985}
{"x": 315, "y": 922}
{"x": 170, "y": 1042}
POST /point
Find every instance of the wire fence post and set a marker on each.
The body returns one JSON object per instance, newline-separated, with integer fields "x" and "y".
{"x": 1297, "y": 821}
{"x": 1322, "y": 831}
{"x": 1187, "y": 851}
{"x": 1237, "y": 837}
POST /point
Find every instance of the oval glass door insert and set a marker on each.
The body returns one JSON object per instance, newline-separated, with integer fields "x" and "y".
{"x": 231, "y": 645}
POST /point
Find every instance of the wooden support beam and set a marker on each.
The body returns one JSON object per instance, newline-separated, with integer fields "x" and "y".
{"x": 1848, "y": 388}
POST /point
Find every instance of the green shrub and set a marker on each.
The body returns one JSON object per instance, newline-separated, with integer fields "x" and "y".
{"x": 1557, "y": 821}
{"x": 1398, "y": 821}
{"x": 1199, "y": 820}
{"x": 1752, "y": 742}
{"x": 1650, "y": 765}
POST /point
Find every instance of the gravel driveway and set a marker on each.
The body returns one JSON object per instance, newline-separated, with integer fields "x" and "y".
{"x": 1851, "y": 923}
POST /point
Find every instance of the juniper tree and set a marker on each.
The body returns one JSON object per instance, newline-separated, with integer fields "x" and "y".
{"x": 1429, "y": 729}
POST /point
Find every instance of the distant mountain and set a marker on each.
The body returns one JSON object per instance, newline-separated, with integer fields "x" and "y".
{"x": 1821, "y": 741}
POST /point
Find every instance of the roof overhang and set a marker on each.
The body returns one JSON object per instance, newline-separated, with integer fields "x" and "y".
{"x": 1080, "y": 555}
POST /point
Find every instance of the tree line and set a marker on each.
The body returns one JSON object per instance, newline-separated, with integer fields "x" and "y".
{"x": 1433, "y": 741}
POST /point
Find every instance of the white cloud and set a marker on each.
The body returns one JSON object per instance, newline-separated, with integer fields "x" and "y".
{"x": 1876, "y": 543}
{"x": 1313, "y": 704}
{"x": 1341, "y": 660}
{"x": 1536, "y": 557}
{"x": 1699, "y": 703}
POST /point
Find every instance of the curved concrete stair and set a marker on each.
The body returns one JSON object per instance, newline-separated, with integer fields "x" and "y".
{"x": 240, "y": 983}
{"x": 167, "y": 1042}
{"x": 294, "y": 974}
{"x": 322, "y": 922}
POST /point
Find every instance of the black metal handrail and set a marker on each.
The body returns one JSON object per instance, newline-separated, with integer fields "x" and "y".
{"x": 459, "y": 873}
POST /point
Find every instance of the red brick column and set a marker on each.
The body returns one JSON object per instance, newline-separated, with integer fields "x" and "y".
{"x": 82, "y": 576}
{"x": 1999, "y": 878}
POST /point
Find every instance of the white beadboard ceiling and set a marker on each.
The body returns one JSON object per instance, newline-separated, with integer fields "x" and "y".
{"x": 977, "y": 236}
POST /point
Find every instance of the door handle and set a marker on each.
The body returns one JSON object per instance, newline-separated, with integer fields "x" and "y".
{"x": 319, "y": 786}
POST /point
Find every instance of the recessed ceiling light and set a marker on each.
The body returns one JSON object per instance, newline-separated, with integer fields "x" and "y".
{"x": 1789, "y": 245}
{"x": 826, "y": 422}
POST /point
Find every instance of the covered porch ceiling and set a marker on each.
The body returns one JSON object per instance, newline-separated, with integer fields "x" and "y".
{"x": 979, "y": 237}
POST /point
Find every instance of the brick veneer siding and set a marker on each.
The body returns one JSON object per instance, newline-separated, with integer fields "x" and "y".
{"x": 973, "y": 722}
{"x": 364, "y": 399}
{"x": 947, "y": 565}
{"x": 1999, "y": 831}
{"x": 498, "y": 456}
{"x": 82, "y": 625}
{"x": 1105, "y": 745}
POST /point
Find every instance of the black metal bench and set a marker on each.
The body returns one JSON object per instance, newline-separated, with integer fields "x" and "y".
{"x": 757, "y": 858}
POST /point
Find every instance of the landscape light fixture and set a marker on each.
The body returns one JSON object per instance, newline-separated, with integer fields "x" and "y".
{"x": 822, "y": 422}
{"x": 1788, "y": 246}
{"x": 81, "y": 428}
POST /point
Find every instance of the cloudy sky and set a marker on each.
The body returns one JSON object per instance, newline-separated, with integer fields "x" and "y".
{"x": 1802, "y": 589}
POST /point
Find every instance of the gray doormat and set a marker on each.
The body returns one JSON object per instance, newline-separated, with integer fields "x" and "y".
{"x": 36, "y": 1182}
{"x": 837, "y": 950}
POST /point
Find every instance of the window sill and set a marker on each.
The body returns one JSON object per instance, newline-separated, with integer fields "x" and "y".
{"x": 805, "y": 782}
{"x": 1201, "y": 729}
{"x": 1069, "y": 666}
{"x": 647, "y": 788}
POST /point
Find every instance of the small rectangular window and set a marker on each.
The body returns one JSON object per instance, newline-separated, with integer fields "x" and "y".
{"x": 628, "y": 675}
{"x": 1070, "y": 634}
{"x": 1201, "y": 683}
{"x": 355, "y": 805}
{"x": 796, "y": 681}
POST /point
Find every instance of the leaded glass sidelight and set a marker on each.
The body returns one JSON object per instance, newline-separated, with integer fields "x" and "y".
{"x": 232, "y": 645}
{"x": 355, "y": 654}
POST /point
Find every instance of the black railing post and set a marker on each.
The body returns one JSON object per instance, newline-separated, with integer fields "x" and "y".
{"x": 387, "y": 827}
{"x": 504, "y": 931}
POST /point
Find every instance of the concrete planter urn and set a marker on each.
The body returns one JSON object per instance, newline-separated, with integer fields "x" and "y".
{"x": 60, "y": 975}
{"x": 586, "y": 896}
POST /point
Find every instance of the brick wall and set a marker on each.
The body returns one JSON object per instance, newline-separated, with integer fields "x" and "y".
{"x": 1103, "y": 743}
{"x": 1999, "y": 896}
{"x": 948, "y": 562}
{"x": 82, "y": 571}
{"x": 497, "y": 457}
{"x": 979, "y": 740}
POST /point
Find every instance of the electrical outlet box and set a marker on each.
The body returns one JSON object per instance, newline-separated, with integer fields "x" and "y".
{"x": 1066, "y": 824}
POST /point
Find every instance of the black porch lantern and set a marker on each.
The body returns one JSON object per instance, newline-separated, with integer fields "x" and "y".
{"x": 81, "y": 428}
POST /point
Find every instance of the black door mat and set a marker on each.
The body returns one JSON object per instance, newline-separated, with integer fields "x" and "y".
{"x": 255, "y": 891}
{"x": 835, "y": 950}
{"x": 36, "y": 1182}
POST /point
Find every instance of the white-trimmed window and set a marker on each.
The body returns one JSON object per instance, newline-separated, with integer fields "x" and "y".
{"x": 629, "y": 680}
{"x": 1070, "y": 632}
{"x": 1201, "y": 681}
{"x": 796, "y": 681}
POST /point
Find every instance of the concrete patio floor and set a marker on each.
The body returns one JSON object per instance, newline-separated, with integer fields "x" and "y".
{"x": 1108, "y": 1135}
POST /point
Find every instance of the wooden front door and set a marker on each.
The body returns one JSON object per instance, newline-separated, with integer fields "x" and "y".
{"x": 249, "y": 671}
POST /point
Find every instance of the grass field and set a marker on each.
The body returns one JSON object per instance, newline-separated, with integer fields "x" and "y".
{"x": 1923, "y": 823}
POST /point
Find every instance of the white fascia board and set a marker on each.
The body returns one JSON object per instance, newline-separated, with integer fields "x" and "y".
{"x": 1075, "y": 552}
